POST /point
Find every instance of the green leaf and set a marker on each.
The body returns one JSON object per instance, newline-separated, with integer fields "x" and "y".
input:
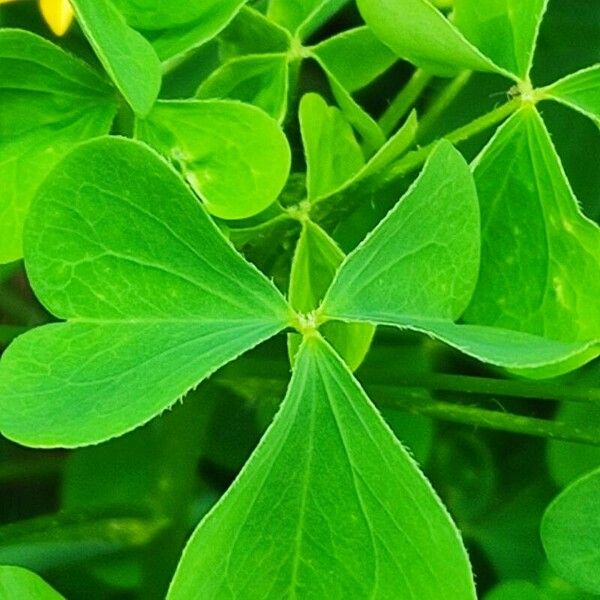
{"x": 50, "y": 101}
{"x": 579, "y": 91}
{"x": 540, "y": 265}
{"x": 234, "y": 156}
{"x": 337, "y": 53}
{"x": 362, "y": 122}
{"x": 149, "y": 14}
{"x": 330, "y": 505}
{"x": 333, "y": 155}
{"x": 570, "y": 531}
{"x": 19, "y": 583}
{"x": 416, "y": 264}
{"x": 314, "y": 265}
{"x": 418, "y": 32}
{"x": 531, "y": 355}
{"x": 171, "y": 42}
{"x": 418, "y": 271}
{"x": 393, "y": 148}
{"x": 261, "y": 80}
{"x": 252, "y": 33}
{"x": 504, "y": 30}
{"x": 155, "y": 296}
{"x": 127, "y": 57}
{"x": 303, "y": 17}
{"x": 366, "y": 184}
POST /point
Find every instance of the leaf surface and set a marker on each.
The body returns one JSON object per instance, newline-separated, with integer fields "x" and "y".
{"x": 540, "y": 265}
{"x": 340, "y": 51}
{"x": 570, "y": 531}
{"x": 251, "y": 32}
{"x": 261, "y": 80}
{"x": 155, "y": 296}
{"x": 16, "y": 582}
{"x": 316, "y": 260}
{"x": 418, "y": 271}
{"x": 580, "y": 91}
{"x": 128, "y": 58}
{"x": 330, "y": 505}
{"x": 363, "y": 123}
{"x": 504, "y": 30}
{"x": 149, "y": 14}
{"x": 418, "y": 32}
{"x": 532, "y": 355}
{"x": 366, "y": 183}
{"x": 332, "y": 153}
{"x": 50, "y": 101}
{"x": 170, "y": 42}
{"x": 303, "y": 17}
{"x": 234, "y": 156}
{"x": 416, "y": 264}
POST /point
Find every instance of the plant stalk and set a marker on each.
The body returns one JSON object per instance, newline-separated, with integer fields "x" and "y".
{"x": 413, "y": 160}
{"x": 489, "y": 419}
{"x": 404, "y": 101}
{"x": 441, "y": 103}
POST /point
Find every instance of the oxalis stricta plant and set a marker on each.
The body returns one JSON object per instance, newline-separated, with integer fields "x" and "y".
{"x": 203, "y": 183}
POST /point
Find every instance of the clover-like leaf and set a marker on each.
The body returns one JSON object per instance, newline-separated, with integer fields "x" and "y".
{"x": 128, "y": 58}
{"x": 503, "y": 30}
{"x": 251, "y": 32}
{"x": 334, "y": 169}
{"x": 540, "y": 266}
{"x": 366, "y": 183}
{"x": 156, "y": 299}
{"x": 416, "y": 263}
{"x": 150, "y": 15}
{"x": 580, "y": 91}
{"x": 171, "y": 40}
{"x": 316, "y": 260}
{"x": 570, "y": 531}
{"x": 303, "y": 17}
{"x": 333, "y": 155}
{"x": 50, "y": 101}
{"x": 19, "y": 583}
{"x": 418, "y": 271}
{"x": 330, "y": 505}
{"x": 337, "y": 53}
{"x": 235, "y": 157}
{"x": 418, "y": 32}
{"x": 260, "y": 79}
{"x": 362, "y": 122}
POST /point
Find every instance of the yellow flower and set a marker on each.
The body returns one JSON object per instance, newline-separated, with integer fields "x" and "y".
{"x": 57, "y": 13}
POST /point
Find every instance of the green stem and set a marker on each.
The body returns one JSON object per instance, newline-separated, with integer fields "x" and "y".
{"x": 403, "y": 102}
{"x": 467, "y": 384}
{"x": 413, "y": 160}
{"x": 268, "y": 368}
{"x": 441, "y": 103}
{"x": 490, "y": 419}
